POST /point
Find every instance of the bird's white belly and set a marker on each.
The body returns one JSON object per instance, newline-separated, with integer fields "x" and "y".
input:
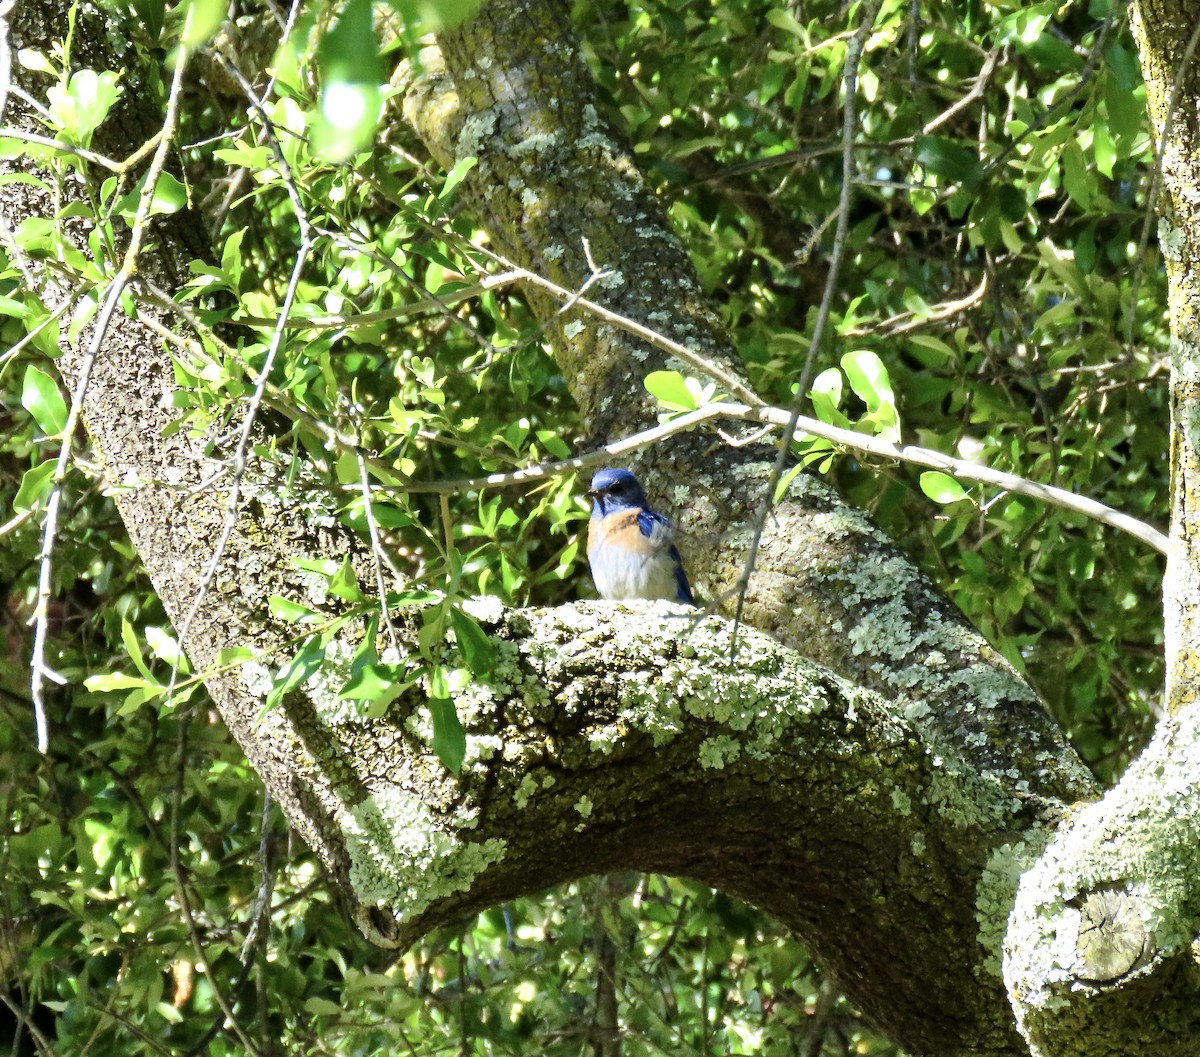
{"x": 648, "y": 576}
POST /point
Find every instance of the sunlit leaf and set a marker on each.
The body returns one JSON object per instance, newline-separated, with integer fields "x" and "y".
{"x": 941, "y": 487}
{"x": 449, "y": 737}
{"x": 41, "y": 398}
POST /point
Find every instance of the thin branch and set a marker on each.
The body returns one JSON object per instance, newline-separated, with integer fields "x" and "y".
{"x": 905, "y": 322}
{"x": 427, "y": 302}
{"x": 82, "y": 153}
{"x": 849, "y": 168}
{"x": 40, "y": 671}
{"x": 378, "y": 554}
{"x": 239, "y": 459}
{"x": 733, "y": 385}
{"x": 769, "y": 417}
{"x": 802, "y": 427}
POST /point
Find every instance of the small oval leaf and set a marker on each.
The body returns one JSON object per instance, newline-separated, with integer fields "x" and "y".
{"x": 41, "y": 398}
{"x": 941, "y": 487}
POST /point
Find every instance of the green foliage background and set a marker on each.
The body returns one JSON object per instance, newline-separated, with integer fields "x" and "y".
{"x": 146, "y": 880}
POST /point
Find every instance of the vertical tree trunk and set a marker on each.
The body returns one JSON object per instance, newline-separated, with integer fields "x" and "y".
{"x": 1100, "y": 947}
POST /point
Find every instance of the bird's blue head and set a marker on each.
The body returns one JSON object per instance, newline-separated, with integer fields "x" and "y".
{"x": 614, "y": 490}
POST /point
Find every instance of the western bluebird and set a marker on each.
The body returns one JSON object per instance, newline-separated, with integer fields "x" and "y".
{"x": 630, "y": 547}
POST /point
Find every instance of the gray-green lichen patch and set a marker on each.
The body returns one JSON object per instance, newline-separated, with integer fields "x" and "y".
{"x": 685, "y": 670}
{"x": 402, "y": 856}
{"x": 257, "y": 679}
{"x": 1171, "y": 240}
{"x": 717, "y": 751}
{"x": 528, "y": 786}
{"x": 995, "y": 892}
{"x": 966, "y": 798}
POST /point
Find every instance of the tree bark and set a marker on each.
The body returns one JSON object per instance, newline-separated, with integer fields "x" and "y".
{"x": 1102, "y": 953}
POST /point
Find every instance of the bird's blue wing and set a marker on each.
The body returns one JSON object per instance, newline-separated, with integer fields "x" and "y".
{"x": 681, "y": 580}
{"x": 659, "y": 530}
{"x": 654, "y": 526}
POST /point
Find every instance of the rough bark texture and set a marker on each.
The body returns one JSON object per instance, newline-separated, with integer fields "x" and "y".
{"x": 884, "y": 813}
{"x": 1101, "y": 956}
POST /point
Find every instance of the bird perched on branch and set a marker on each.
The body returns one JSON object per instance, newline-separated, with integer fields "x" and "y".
{"x": 630, "y": 548}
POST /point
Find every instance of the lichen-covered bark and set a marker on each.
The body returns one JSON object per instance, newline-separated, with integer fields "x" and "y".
{"x": 1101, "y": 956}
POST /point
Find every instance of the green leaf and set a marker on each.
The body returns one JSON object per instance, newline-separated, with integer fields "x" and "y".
{"x": 449, "y": 737}
{"x": 204, "y": 18}
{"x": 113, "y": 681}
{"x": 79, "y": 109}
{"x": 41, "y": 398}
{"x": 1103, "y": 148}
{"x": 869, "y": 379}
{"x": 344, "y": 583}
{"x": 35, "y": 485}
{"x": 456, "y": 176}
{"x": 165, "y": 647}
{"x": 169, "y": 196}
{"x": 948, "y": 159}
{"x": 476, "y": 647}
{"x": 781, "y": 18}
{"x": 375, "y": 682}
{"x": 785, "y": 480}
{"x": 941, "y": 487}
{"x": 431, "y": 16}
{"x": 826, "y": 395}
{"x": 231, "y": 258}
{"x": 308, "y": 660}
{"x": 36, "y": 62}
{"x": 134, "y": 649}
{"x": 151, "y": 13}
{"x": 670, "y": 389}
{"x": 1076, "y": 179}
{"x": 1126, "y": 70}
{"x": 285, "y": 609}
{"x": 1126, "y": 112}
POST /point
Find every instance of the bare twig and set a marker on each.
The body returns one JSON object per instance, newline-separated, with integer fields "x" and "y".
{"x": 769, "y": 417}
{"x": 40, "y": 671}
{"x": 239, "y": 458}
{"x": 733, "y": 384}
{"x": 425, "y": 303}
{"x": 59, "y": 147}
{"x": 379, "y": 555}
{"x": 849, "y": 167}
{"x": 904, "y": 322}
{"x": 800, "y": 427}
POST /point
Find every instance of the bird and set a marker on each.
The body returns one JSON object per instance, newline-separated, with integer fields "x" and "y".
{"x": 630, "y": 548}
